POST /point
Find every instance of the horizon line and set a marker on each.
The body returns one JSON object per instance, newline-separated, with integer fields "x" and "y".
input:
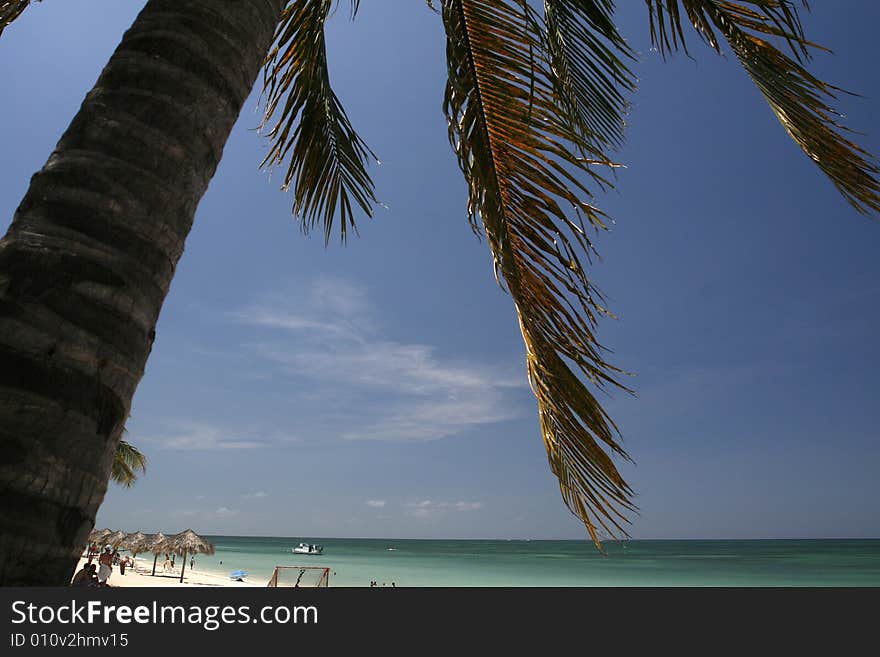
{"x": 584, "y": 539}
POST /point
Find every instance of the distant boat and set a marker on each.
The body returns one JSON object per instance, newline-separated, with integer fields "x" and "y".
{"x": 391, "y": 549}
{"x": 307, "y": 548}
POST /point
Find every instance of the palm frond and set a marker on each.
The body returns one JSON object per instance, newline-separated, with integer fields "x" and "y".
{"x": 327, "y": 167}
{"x": 10, "y": 10}
{"x": 127, "y": 461}
{"x": 523, "y": 164}
{"x": 800, "y": 101}
{"x": 588, "y": 65}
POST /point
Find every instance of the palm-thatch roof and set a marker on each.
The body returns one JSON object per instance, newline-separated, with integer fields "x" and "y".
{"x": 188, "y": 542}
{"x": 135, "y": 542}
{"x": 98, "y": 535}
{"x": 156, "y": 543}
{"x": 115, "y": 539}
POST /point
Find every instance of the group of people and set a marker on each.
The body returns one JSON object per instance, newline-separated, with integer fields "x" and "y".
{"x": 375, "y": 583}
{"x": 92, "y": 575}
{"x": 169, "y": 563}
{"x": 86, "y": 576}
{"x": 98, "y": 575}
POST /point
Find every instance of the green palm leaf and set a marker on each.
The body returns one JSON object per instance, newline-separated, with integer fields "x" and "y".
{"x": 327, "y": 167}
{"x": 800, "y": 101}
{"x": 127, "y": 461}
{"x": 522, "y": 159}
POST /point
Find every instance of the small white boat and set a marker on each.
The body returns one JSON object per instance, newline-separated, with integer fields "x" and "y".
{"x": 307, "y": 548}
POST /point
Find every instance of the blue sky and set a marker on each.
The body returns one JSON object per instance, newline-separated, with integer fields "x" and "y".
{"x": 378, "y": 388}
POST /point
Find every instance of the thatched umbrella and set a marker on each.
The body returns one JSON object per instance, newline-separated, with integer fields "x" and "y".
{"x": 135, "y": 542}
{"x": 157, "y": 544}
{"x": 98, "y": 535}
{"x": 116, "y": 538}
{"x": 188, "y": 542}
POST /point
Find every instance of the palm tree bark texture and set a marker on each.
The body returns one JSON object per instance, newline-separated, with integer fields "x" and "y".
{"x": 89, "y": 258}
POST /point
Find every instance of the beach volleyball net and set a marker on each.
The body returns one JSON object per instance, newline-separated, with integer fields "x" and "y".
{"x": 299, "y": 577}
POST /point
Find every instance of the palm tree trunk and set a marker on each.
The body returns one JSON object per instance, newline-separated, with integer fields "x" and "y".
{"x": 183, "y": 567}
{"x": 88, "y": 261}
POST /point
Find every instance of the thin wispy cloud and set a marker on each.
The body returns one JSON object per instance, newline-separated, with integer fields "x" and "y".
{"x": 428, "y": 420}
{"x": 199, "y": 437}
{"x": 330, "y": 336}
{"x": 429, "y": 509}
{"x": 468, "y": 506}
{"x": 219, "y": 513}
{"x": 329, "y": 309}
{"x": 255, "y": 496}
{"x": 410, "y": 368}
{"x": 378, "y": 504}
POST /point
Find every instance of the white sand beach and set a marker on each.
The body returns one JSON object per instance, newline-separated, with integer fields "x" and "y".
{"x": 140, "y": 576}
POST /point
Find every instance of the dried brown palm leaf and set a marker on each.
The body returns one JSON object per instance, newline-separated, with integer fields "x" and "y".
{"x": 10, "y": 10}
{"x": 327, "y": 167}
{"x": 524, "y": 164}
{"x": 800, "y": 101}
{"x": 588, "y": 65}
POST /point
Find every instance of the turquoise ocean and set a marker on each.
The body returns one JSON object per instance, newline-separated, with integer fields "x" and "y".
{"x": 357, "y": 562}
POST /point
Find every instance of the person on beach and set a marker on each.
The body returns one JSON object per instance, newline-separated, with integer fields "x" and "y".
{"x": 122, "y": 564}
{"x": 192, "y": 563}
{"x": 84, "y": 576}
{"x": 106, "y": 567}
{"x": 166, "y": 564}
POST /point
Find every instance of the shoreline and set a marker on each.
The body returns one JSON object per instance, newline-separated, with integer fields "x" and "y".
{"x": 139, "y": 576}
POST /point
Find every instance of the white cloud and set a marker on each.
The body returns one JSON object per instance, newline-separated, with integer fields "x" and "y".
{"x": 429, "y": 509}
{"x": 332, "y": 309}
{"x": 268, "y": 318}
{"x": 217, "y": 514}
{"x": 336, "y": 343}
{"x": 421, "y": 421}
{"x": 255, "y": 496}
{"x": 405, "y": 368}
{"x": 198, "y": 436}
{"x": 378, "y": 504}
{"x": 339, "y": 297}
